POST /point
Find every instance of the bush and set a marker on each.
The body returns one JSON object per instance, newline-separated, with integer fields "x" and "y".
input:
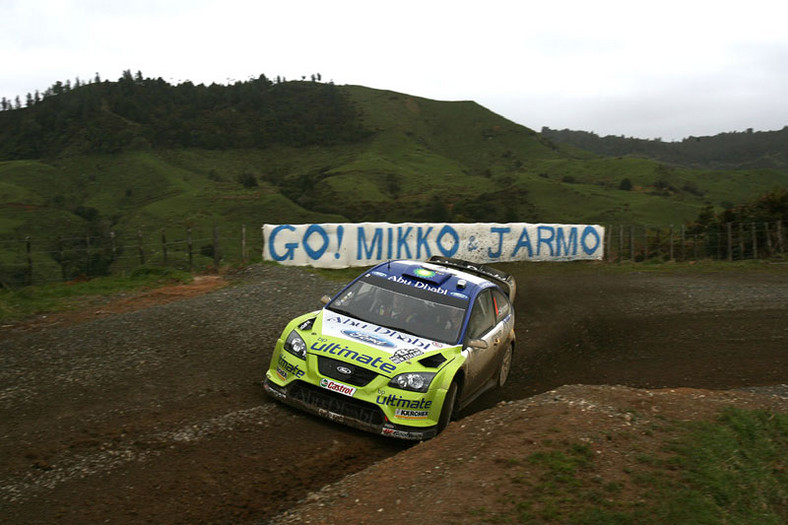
{"x": 247, "y": 180}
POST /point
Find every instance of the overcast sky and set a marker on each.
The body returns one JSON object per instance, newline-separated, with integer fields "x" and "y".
{"x": 667, "y": 69}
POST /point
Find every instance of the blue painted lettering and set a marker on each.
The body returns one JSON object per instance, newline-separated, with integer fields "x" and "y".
{"x": 289, "y": 247}
{"x": 500, "y": 231}
{"x": 545, "y": 235}
{"x": 448, "y": 230}
{"x": 421, "y": 240}
{"x": 365, "y": 251}
{"x": 590, "y": 231}
{"x": 402, "y": 243}
{"x": 315, "y": 254}
{"x": 523, "y": 242}
{"x": 570, "y": 245}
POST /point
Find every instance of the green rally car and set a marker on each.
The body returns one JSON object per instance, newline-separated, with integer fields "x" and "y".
{"x": 401, "y": 349}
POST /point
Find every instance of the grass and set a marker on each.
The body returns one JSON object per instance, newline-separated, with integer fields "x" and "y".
{"x": 34, "y": 300}
{"x": 728, "y": 471}
{"x": 421, "y": 148}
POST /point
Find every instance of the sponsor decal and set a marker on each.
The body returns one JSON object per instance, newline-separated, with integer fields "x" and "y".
{"x": 393, "y": 400}
{"x": 368, "y": 338}
{"x": 284, "y": 368}
{"x": 338, "y": 350}
{"x": 419, "y": 284}
{"x": 328, "y": 384}
{"x": 306, "y": 325}
{"x": 412, "y": 414}
{"x": 400, "y": 356}
{"x": 424, "y": 272}
{"x": 380, "y": 332}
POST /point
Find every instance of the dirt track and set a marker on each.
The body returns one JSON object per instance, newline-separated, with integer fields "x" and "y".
{"x": 157, "y": 415}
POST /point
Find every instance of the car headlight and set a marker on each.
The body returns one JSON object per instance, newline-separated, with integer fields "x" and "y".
{"x": 414, "y": 381}
{"x": 295, "y": 345}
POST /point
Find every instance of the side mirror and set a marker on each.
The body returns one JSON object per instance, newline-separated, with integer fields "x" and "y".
{"x": 479, "y": 344}
{"x": 325, "y": 299}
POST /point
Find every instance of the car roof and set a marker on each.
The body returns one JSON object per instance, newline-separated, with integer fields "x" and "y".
{"x": 432, "y": 276}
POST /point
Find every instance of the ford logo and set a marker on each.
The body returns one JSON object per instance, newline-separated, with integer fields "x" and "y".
{"x": 344, "y": 370}
{"x": 368, "y": 338}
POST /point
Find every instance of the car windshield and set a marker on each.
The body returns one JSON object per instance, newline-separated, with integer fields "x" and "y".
{"x": 405, "y": 308}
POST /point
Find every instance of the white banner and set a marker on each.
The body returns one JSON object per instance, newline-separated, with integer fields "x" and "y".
{"x": 341, "y": 245}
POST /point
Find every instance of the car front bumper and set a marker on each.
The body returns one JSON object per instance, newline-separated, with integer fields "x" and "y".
{"x": 351, "y": 412}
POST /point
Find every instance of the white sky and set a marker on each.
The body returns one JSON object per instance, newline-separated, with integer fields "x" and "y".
{"x": 667, "y": 69}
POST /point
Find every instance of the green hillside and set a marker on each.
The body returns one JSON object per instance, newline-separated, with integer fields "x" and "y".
{"x": 141, "y": 155}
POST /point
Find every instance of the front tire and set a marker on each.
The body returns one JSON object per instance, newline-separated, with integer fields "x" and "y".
{"x": 449, "y": 409}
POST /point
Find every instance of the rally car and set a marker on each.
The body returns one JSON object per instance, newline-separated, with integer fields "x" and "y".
{"x": 401, "y": 349}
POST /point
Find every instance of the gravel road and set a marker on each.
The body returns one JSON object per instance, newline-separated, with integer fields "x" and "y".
{"x": 158, "y": 414}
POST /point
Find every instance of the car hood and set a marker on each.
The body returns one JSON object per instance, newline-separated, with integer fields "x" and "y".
{"x": 348, "y": 339}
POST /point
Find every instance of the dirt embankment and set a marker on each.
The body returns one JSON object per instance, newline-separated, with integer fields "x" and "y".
{"x": 152, "y": 411}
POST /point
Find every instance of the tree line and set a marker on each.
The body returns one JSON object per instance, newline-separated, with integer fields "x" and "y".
{"x": 735, "y": 150}
{"x": 137, "y": 112}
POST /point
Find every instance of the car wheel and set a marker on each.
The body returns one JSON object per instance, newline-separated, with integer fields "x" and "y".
{"x": 448, "y": 411}
{"x": 506, "y": 366}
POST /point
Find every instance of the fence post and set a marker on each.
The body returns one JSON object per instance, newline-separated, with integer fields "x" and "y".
{"x": 645, "y": 243}
{"x": 754, "y": 242}
{"x": 164, "y": 246}
{"x": 670, "y": 247}
{"x": 114, "y": 246}
{"x": 719, "y": 243}
{"x": 780, "y": 239}
{"x": 769, "y": 251}
{"x": 29, "y": 271}
{"x": 140, "y": 248}
{"x": 243, "y": 243}
{"x": 683, "y": 243}
{"x": 620, "y": 242}
{"x": 87, "y": 256}
{"x": 216, "y": 257}
{"x": 741, "y": 240}
{"x": 730, "y": 240}
{"x": 61, "y": 254}
{"x": 632, "y": 243}
{"x": 695, "y": 246}
{"x": 189, "y": 246}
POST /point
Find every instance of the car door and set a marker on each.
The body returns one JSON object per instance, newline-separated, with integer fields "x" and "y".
{"x": 481, "y": 363}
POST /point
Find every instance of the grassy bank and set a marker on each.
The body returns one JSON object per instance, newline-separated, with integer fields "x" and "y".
{"x": 17, "y": 304}
{"x": 731, "y": 470}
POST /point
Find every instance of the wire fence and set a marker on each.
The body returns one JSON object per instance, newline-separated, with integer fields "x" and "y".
{"x": 728, "y": 241}
{"x": 28, "y": 261}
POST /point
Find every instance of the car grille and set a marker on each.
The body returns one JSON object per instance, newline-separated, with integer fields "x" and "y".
{"x": 331, "y": 368}
{"x": 337, "y": 403}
